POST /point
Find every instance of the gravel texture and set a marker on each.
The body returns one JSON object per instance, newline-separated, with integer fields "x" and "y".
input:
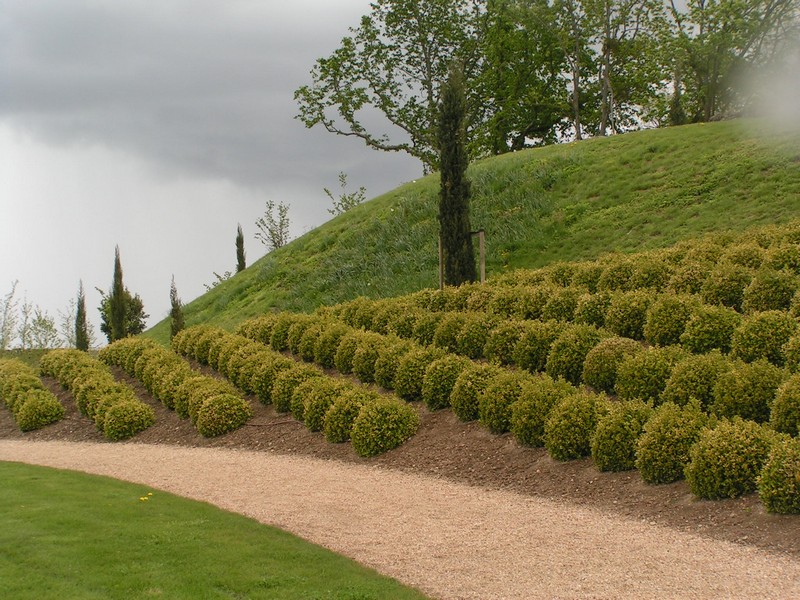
{"x": 448, "y": 539}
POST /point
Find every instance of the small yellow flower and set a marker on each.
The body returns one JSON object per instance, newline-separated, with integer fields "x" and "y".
{"x": 144, "y": 498}
{"x": 149, "y": 493}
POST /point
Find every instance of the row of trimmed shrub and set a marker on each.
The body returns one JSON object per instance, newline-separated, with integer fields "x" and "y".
{"x": 343, "y": 410}
{"x": 213, "y": 405}
{"x": 22, "y": 392}
{"x": 113, "y": 406}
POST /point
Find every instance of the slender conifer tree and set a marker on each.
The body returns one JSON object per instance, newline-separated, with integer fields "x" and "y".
{"x": 81, "y": 326}
{"x": 118, "y": 308}
{"x": 240, "y": 261}
{"x": 176, "y": 312}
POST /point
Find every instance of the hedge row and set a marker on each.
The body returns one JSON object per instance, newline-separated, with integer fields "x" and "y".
{"x": 113, "y": 406}
{"x": 23, "y": 394}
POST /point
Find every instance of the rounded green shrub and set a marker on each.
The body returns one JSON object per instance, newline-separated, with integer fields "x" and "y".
{"x": 763, "y": 335}
{"x": 791, "y": 352}
{"x": 473, "y": 335}
{"x": 296, "y": 331}
{"x": 328, "y": 343}
{"x": 689, "y": 277}
{"x": 264, "y": 377}
{"x": 494, "y": 403}
{"x": 278, "y": 340}
{"x": 530, "y": 301}
{"x": 367, "y": 352}
{"x": 710, "y": 328}
{"x": 695, "y": 377}
{"x": 502, "y": 342}
{"x": 425, "y": 327}
{"x": 383, "y": 425}
{"x": 411, "y": 372}
{"x": 388, "y": 360}
{"x": 592, "y": 309}
{"x": 287, "y": 380}
{"x": 769, "y": 290}
{"x": 202, "y": 391}
{"x": 343, "y": 412}
{"x": 183, "y": 393}
{"x": 587, "y": 275}
{"x": 308, "y": 341}
{"x": 650, "y": 273}
{"x": 125, "y": 419}
{"x": 784, "y": 257}
{"x": 37, "y": 409}
{"x": 404, "y": 323}
{"x": 627, "y": 313}
{"x": 726, "y": 460}
{"x": 439, "y": 379}
{"x": 446, "y": 334}
{"x": 779, "y": 480}
{"x": 222, "y": 413}
{"x": 346, "y": 351}
{"x": 571, "y": 424}
{"x": 384, "y": 313}
{"x": 560, "y": 273}
{"x": 534, "y": 344}
{"x": 662, "y": 450}
{"x": 616, "y": 275}
{"x": 529, "y": 413}
{"x": 317, "y": 394}
{"x": 562, "y": 306}
{"x": 747, "y": 390}
{"x": 467, "y": 389}
{"x": 506, "y": 302}
{"x": 568, "y": 352}
{"x": 725, "y": 285}
{"x": 480, "y": 298}
{"x": 644, "y": 375}
{"x": 667, "y": 318}
{"x": 615, "y": 440}
{"x": 602, "y": 362}
{"x": 746, "y": 254}
{"x": 785, "y": 412}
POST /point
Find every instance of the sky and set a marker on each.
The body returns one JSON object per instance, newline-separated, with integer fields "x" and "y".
{"x": 158, "y": 127}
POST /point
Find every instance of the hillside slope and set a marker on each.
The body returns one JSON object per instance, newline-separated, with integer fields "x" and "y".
{"x": 627, "y": 193}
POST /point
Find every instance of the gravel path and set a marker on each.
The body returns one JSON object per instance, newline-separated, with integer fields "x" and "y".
{"x": 449, "y": 540}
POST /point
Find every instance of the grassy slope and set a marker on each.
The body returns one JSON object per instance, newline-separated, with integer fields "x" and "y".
{"x": 627, "y": 193}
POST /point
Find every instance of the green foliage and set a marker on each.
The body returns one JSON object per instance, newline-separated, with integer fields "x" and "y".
{"x": 36, "y": 409}
{"x": 474, "y": 333}
{"x": 447, "y": 332}
{"x": 383, "y": 425}
{"x": 502, "y": 342}
{"x": 746, "y": 254}
{"x": 726, "y": 284}
{"x": 280, "y": 332}
{"x": 366, "y": 354}
{"x": 689, "y": 277}
{"x": 533, "y": 347}
{"x": 317, "y": 395}
{"x": 785, "y": 410}
{"x": 568, "y": 352}
{"x": 791, "y": 351}
{"x": 563, "y": 304}
{"x": 571, "y": 424}
{"x": 411, "y": 372}
{"x": 296, "y": 331}
{"x": 440, "y": 377}
{"x": 494, "y": 403}
{"x": 177, "y": 320}
{"x": 644, "y": 375}
{"x": 667, "y": 318}
{"x": 695, "y": 377}
{"x": 650, "y": 273}
{"x": 328, "y": 343}
{"x": 726, "y": 460}
{"x": 592, "y": 308}
{"x": 763, "y": 335}
{"x": 784, "y": 256}
{"x": 663, "y": 448}
{"x": 529, "y": 414}
{"x": 287, "y": 380}
{"x": 617, "y": 275}
{"x": 388, "y": 361}
{"x": 602, "y": 362}
{"x": 627, "y": 313}
{"x": 779, "y": 481}
{"x": 343, "y": 412}
{"x": 222, "y": 413}
{"x": 747, "y": 390}
{"x": 346, "y": 351}
{"x": 263, "y": 380}
{"x": 615, "y": 440}
{"x": 121, "y": 313}
{"x": 467, "y": 390}
{"x": 125, "y": 419}
{"x": 769, "y": 290}
{"x": 240, "y": 254}
{"x": 710, "y": 328}
{"x": 425, "y": 327}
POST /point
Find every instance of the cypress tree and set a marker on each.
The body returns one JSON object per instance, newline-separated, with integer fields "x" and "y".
{"x": 117, "y": 302}
{"x": 240, "y": 263}
{"x": 81, "y": 327}
{"x": 454, "y": 226}
{"x": 176, "y": 312}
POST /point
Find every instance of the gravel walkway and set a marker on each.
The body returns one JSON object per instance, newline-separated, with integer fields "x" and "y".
{"x": 449, "y": 540}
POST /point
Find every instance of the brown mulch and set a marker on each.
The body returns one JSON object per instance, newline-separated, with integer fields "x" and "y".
{"x": 466, "y": 453}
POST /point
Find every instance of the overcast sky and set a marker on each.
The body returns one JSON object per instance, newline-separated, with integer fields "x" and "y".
{"x": 159, "y": 126}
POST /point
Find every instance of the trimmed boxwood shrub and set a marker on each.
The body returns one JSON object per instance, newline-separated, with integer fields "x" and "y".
{"x": 202, "y": 390}
{"x": 343, "y": 412}
{"x": 328, "y": 343}
{"x": 537, "y": 398}
{"x": 562, "y": 305}
{"x": 467, "y": 389}
{"x": 568, "y": 352}
{"x": 530, "y": 301}
{"x": 560, "y": 273}
{"x": 287, "y": 380}
{"x": 763, "y": 335}
{"x": 264, "y": 377}
{"x": 769, "y": 290}
{"x": 689, "y": 277}
{"x": 534, "y": 344}
{"x": 746, "y": 254}
{"x": 587, "y": 275}
{"x": 662, "y": 450}
{"x": 425, "y": 327}
{"x": 222, "y": 413}
{"x": 710, "y": 328}
{"x": 295, "y": 333}
{"x": 615, "y": 439}
{"x": 571, "y": 424}
{"x": 382, "y": 425}
{"x": 127, "y": 418}
{"x": 507, "y": 301}
{"x": 667, "y": 318}
{"x": 367, "y": 352}
{"x": 592, "y": 309}
{"x": 726, "y": 284}
{"x": 479, "y": 298}
{"x": 791, "y": 352}
{"x": 695, "y": 377}
{"x": 280, "y": 331}
{"x": 644, "y": 375}
{"x": 784, "y": 257}
{"x": 346, "y": 351}
{"x": 411, "y": 372}
{"x": 404, "y": 323}
{"x": 650, "y": 273}
{"x": 502, "y": 341}
{"x": 317, "y": 395}
{"x": 308, "y": 341}
{"x": 494, "y": 403}
{"x": 446, "y": 334}
{"x": 747, "y": 390}
{"x": 602, "y": 362}
{"x": 474, "y": 333}
{"x": 779, "y": 481}
{"x": 785, "y": 412}
{"x": 439, "y": 379}
{"x": 726, "y": 460}
{"x": 388, "y": 360}
{"x": 385, "y": 311}
{"x": 37, "y": 409}
{"x": 627, "y": 313}
{"x": 617, "y": 275}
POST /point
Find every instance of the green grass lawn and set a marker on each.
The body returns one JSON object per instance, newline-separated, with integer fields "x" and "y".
{"x": 70, "y": 535}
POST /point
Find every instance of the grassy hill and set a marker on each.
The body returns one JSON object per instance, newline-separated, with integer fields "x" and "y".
{"x": 627, "y": 193}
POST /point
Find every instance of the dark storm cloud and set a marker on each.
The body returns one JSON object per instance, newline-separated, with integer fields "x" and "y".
{"x": 204, "y": 88}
